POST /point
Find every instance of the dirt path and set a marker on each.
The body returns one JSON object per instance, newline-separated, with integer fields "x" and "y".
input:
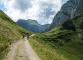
{"x": 21, "y": 50}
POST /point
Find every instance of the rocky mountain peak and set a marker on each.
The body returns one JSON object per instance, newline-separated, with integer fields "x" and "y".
{"x": 70, "y": 9}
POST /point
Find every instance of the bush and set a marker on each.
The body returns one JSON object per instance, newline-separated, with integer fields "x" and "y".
{"x": 69, "y": 25}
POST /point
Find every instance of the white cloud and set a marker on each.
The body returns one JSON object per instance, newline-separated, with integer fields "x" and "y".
{"x": 41, "y": 10}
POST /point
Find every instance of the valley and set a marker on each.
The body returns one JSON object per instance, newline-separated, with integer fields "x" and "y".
{"x": 27, "y": 39}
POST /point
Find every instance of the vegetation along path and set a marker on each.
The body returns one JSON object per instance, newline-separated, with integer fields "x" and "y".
{"x": 21, "y": 50}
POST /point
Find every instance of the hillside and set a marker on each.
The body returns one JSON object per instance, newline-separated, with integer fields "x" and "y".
{"x": 9, "y": 32}
{"x": 68, "y": 10}
{"x": 64, "y": 42}
{"x": 32, "y": 25}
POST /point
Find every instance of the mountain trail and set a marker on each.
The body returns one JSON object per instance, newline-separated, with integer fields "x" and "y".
{"x": 21, "y": 50}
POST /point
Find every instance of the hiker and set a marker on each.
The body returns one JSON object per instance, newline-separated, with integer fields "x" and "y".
{"x": 23, "y": 36}
{"x": 27, "y": 36}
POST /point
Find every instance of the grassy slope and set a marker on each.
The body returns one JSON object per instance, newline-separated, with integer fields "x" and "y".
{"x": 9, "y": 33}
{"x": 65, "y": 41}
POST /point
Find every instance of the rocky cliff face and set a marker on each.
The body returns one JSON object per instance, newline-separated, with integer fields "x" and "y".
{"x": 67, "y": 11}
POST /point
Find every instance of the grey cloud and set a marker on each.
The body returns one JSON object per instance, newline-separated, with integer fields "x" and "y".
{"x": 22, "y": 4}
{"x": 46, "y": 10}
{"x": 44, "y": 20}
{"x": 49, "y": 12}
{"x": 47, "y": 4}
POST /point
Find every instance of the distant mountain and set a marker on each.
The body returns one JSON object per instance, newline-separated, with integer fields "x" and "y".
{"x": 32, "y": 25}
{"x": 10, "y": 32}
{"x": 45, "y": 26}
{"x": 67, "y": 11}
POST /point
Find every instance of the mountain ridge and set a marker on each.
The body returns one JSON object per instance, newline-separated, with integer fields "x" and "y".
{"x": 68, "y": 10}
{"x": 32, "y": 25}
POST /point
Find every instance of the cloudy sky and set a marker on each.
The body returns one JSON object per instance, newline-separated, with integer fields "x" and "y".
{"x": 41, "y": 10}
